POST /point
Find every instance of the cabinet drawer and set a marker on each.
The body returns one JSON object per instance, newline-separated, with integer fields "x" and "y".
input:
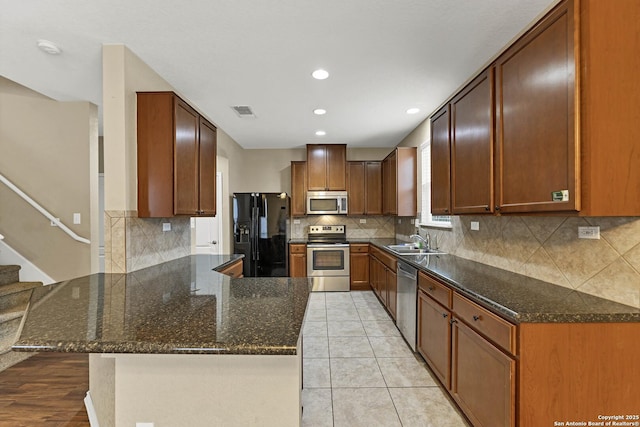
{"x": 435, "y": 289}
{"x": 488, "y": 324}
{"x": 297, "y": 248}
{"x": 358, "y": 248}
{"x": 388, "y": 260}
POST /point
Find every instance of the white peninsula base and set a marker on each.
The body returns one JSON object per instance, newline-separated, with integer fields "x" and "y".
{"x": 196, "y": 390}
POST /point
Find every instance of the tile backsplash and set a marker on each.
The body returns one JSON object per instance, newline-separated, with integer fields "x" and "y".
{"x": 132, "y": 243}
{"x": 373, "y": 227}
{"x": 548, "y": 248}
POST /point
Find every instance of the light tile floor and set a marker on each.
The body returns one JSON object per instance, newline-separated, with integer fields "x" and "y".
{"x": 359, "y": 371}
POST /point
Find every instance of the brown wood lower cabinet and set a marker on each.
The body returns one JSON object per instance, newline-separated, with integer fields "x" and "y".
{"x": 434, "y": 336}
{"x": 384, "y": 280}
{"x": 359, "y": 266}
{"x": 233, "y": 270}
{"x": 482, "y": 378}
{"x": 297, "y": 260}
{"x": 526, "y": 375}
{"x": 464, "y": 344}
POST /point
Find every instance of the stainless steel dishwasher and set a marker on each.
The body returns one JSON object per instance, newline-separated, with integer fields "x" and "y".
{"x": 407, "y": 302}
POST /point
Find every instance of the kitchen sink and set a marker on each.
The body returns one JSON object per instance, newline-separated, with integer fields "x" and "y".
{"x": 412, "y": 249}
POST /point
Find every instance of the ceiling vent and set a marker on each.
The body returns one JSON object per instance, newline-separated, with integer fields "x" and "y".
{"x": 243, "y": 111}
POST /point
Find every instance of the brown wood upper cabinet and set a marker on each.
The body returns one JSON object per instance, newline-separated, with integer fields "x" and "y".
{"x": 326, "y": 167}
{"x": 364, "y": 187}
{"x": 176, "y": 158}
{"x": 399, "y": 172}
{"x": 563, "y": 122}
{"x": 298, "y": 188}
{"x": 536, "y": 142}
{"x": 441, "y": 162}
{"x": 472, "y": 147}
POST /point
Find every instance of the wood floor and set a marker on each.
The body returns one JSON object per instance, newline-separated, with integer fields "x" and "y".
{"x": 45, "y": 390}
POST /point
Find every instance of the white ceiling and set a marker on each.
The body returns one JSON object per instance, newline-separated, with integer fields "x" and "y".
{"x": 384, "y": 57}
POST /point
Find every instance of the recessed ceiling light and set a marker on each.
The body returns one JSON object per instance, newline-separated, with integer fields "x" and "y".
{"x": 49, "y": 47}
{"x": 320, "y": 74}
{"x": 319, "y": 111}
{"x": 320, "y": 133}
{"x": 413, "y": 110}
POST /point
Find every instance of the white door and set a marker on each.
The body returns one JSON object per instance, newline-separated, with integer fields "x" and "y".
{"x": 208, "y": 229}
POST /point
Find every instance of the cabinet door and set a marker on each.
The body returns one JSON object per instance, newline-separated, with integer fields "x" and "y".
{"x": 356, "y": 188}
{"x": 392, "y": 291}
{"x": 378, "y": 277}
{"x": 297, "y": 262}
{"x": 373, "y": 188}
{"x": 537, "y": 148}
{"x": 336, "y": 167}
{"x": 185, "y": 163}
{"x": 359, "y": 271}
{"x": 440, "y": 163}
{"x": 298, "y": 188}
{"x": 389, "y": 185}
{"x": 483, "y": 379}
{"x": 434, "y": 337}
{"x": 472, "y": 147}
{"x": 207, "y": 176}
{"x": 316, "y": 167}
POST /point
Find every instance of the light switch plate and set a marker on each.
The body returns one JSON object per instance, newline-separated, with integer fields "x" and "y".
{"x": 76, "y": 218}
{"x": 363, "y": 221}
{"x": 296, "y": 221}
{"x": 589, "y": 232}
{"x": 166, "y": 226}
{"x": 475, "y": 225}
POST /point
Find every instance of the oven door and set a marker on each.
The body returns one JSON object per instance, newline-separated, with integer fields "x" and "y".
{"x": 327, "y": 260}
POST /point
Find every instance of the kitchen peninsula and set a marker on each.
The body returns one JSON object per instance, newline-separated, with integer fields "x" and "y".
{"x": 179, "y": 343}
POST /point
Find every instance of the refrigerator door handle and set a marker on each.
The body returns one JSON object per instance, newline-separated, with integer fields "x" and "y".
{"x": 256, "y": 229}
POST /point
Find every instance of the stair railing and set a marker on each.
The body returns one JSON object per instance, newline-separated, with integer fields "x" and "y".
{"x": 42, "y": 210}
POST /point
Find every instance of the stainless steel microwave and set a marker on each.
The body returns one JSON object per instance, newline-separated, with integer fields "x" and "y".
{"x": 326, "y": 202}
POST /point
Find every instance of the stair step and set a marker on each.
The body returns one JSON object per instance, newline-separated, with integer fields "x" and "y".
{"x": 9, "y": 274}
{"x": 13, "y": 312}
{"x": 16, "y": 287}
{"x": 9, "y": 333}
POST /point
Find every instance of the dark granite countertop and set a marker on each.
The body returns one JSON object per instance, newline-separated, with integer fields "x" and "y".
{"x": 181, "y": 306}
{"x": 518, "y": 298}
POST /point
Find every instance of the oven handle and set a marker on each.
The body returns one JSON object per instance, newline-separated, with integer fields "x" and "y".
{"x": 327, "y": 246}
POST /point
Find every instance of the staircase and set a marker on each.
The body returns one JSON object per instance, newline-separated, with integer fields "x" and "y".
{"x": 14, "y": 298}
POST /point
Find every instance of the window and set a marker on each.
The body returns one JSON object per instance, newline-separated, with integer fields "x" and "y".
{"x": 425, "y": 212}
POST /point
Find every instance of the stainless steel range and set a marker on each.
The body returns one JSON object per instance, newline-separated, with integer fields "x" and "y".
{"x": 328, "y": 258}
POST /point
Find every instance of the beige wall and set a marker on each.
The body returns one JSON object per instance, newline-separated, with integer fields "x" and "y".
{"x": 131, "y": 243}
{"x": 49, "y": 150}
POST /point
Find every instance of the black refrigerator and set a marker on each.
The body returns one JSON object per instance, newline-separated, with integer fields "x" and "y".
{"x": 261, "y": 232}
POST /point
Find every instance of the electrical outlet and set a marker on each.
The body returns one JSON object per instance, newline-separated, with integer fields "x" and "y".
{"x": 475, "y": 225}
{"x": 166, "y": 226}
{"x": 296, "y": 221}
{"x": 76, "y": 218}
{"x": 399, "y": 221}
{"x": 193, "y": 222}
{"x": 363, "y": 221}
{"x": 589, "y": 232}
{"x": 144, "y": 424}
{"x": 413, "y": 220}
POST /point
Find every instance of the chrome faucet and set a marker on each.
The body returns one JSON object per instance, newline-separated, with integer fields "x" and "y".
{"x": 425, "y": 241}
